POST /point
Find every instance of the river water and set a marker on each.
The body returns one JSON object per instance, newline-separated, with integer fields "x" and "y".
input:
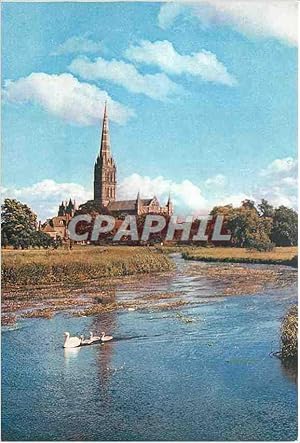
{"x": 202, "y": 372}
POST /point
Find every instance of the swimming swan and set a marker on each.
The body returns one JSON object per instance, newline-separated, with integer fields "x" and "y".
{"x": 94, "y": 337}
{"x": 85, "y": 341}
{"x": 71, "y": 342}
{"x": 106, "y": 337}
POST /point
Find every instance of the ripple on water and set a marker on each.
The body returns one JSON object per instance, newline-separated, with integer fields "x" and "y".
{"x": 163, "y": 377}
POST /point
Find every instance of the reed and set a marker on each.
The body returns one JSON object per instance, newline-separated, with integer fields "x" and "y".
{"x": 289, "y": 334}
{"x": 80, "y": 264}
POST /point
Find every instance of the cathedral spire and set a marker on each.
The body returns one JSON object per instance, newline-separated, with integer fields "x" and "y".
{"x": 169, "y": 198}
{"x": 105, "y": 143}
{"x": 105, "y": 169}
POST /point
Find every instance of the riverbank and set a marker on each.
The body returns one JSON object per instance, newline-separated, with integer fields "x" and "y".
{"x": 104, "y": 295}
{"x": 279, "y": 256}
{"x": 82, "y": 263}
{"x": 289, "y": 335}
{"x": 218, "y": 348}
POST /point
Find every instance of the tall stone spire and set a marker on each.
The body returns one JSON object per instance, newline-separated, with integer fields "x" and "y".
{"x": 105, "y": 142}
{"x": 105, "y": 169}
{"x": 169, "y": 205}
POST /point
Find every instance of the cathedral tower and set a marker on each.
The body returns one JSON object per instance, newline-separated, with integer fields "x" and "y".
{"x": 105, "y": 169}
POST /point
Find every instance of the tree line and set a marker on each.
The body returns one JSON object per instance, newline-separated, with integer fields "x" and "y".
{"x": 259, "y": 227}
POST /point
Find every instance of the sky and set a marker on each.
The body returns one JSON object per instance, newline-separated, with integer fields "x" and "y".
{"x": 201, "y": 99}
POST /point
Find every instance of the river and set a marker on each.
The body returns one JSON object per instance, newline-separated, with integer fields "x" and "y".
{"x": 201, "y": 372}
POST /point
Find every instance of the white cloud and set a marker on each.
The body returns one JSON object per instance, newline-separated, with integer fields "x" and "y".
{"x": 78, "y": 44}
{"x": 203, "y": 64}
{"x": 217, "y": 181}
{"x": 156, "y": 86}
{"x": 282, "y": 176}
{"x": 277, "y": 196}
{"x": 281, "y": 166}
{"x": 276, "y": 19}
{"x": 66, "y": 97}
{"x": 45, "y": 196}
{"x": 290, "y": 182}
{"x": 235, "y": 199}
{"x": 185, "y": 195}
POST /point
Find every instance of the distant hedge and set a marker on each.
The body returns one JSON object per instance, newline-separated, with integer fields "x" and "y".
{"x": 263, "y": 261}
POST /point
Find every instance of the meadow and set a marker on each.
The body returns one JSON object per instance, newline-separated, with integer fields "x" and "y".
{"x": 278, "y": 256}
{"x": 33, "y": 267}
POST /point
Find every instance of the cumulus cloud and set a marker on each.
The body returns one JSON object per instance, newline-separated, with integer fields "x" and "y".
{"x": 281, "y": 167}
{"x": 66, "y": 97}
{"x": 185, "y": 195}
{"x": 156, "y": 86}
{"x": 277, "y": 196}
{"x": 234, "y": 199}
{"x": 45, "y": 196}
{"x": 277, "y": 19}
{"x": 203, "y": 64}
{"x": 77, "y": 44}
{"x": 282, "y": 176}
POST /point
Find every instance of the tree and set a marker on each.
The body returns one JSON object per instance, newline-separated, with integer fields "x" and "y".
{"x": 265, "y": 209}
{"x": 248, "y": 204}
{"x": 285, "y": 227}
{"x": 248, "y": 229}
{"x": 92, "y": 207}
{"x": 41, "y": 240}
{"x": 18, "y": 223}
{"x": 4, "y": 240}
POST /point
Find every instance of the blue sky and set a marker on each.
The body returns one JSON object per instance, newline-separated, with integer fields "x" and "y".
{"x": 202, "y": 101}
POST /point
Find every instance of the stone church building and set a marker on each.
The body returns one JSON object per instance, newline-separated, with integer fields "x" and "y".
{"x": 105, "y": 184}
{"x": 105, "y": 193}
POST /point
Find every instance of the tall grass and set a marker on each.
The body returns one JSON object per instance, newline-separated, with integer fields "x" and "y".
{"x": 80, "y": 264}
{"x": 289, "y": 334}
{"x": 283, "y": 256}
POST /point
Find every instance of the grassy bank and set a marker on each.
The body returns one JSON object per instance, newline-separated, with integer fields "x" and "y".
{"x": 34, "y": 267}
{"x": 279, "y": 256}
{"x": 289, "y": 335}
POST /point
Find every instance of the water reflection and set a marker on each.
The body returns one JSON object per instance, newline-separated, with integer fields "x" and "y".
{"x": 205, "y": 380}
{"x": 106, "y": 322}
{"x": 290, "y": 370}
{"x": 70, "y": 354}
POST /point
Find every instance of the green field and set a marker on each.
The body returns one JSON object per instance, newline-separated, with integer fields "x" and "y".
{"x": 32, "y": 267}
{"x": 279, "y": 255}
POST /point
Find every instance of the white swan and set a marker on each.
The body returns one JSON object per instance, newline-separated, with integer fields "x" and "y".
{"x": 94, "y": 337}
{"x": 85, "y": 341}
{"x": 71, "y": 342}
{"x": 106, "y": 337}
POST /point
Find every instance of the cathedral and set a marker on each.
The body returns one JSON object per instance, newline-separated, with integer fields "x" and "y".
{"x": 105, "y": 184}
{"x": 105, "y": 187}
